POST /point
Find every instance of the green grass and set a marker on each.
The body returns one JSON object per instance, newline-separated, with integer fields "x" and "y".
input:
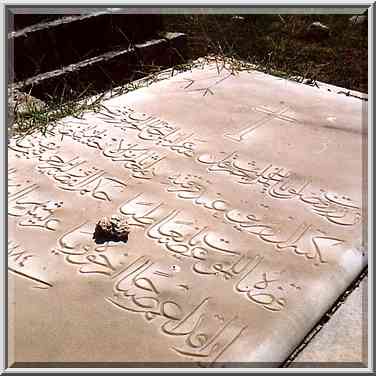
{"x": 34, "y": 118}
{"x": 274, "y": 44}
{"x": 277, "y": 43}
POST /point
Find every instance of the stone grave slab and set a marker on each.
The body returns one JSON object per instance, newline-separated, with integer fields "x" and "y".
{"x": 245, "y": 200}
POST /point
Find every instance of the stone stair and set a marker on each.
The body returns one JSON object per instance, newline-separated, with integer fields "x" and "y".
{"x": 60, "y": 55}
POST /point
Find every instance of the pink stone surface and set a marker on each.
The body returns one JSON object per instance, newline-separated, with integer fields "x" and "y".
{"x": 244, "y": 195}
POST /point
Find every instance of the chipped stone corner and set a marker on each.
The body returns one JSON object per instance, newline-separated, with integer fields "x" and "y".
{"x": 21, "y": 103}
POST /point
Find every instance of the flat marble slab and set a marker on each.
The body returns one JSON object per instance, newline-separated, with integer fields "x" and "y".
{"x": 245, "y": 198}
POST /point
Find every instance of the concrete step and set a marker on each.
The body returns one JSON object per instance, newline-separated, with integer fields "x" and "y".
{"x": 51, "y": 45}
{"x": 20, "y": 21}
{"x": 107, "y": 70}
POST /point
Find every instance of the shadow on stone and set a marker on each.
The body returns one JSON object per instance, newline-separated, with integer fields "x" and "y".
{"x": 101, "y": 238}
